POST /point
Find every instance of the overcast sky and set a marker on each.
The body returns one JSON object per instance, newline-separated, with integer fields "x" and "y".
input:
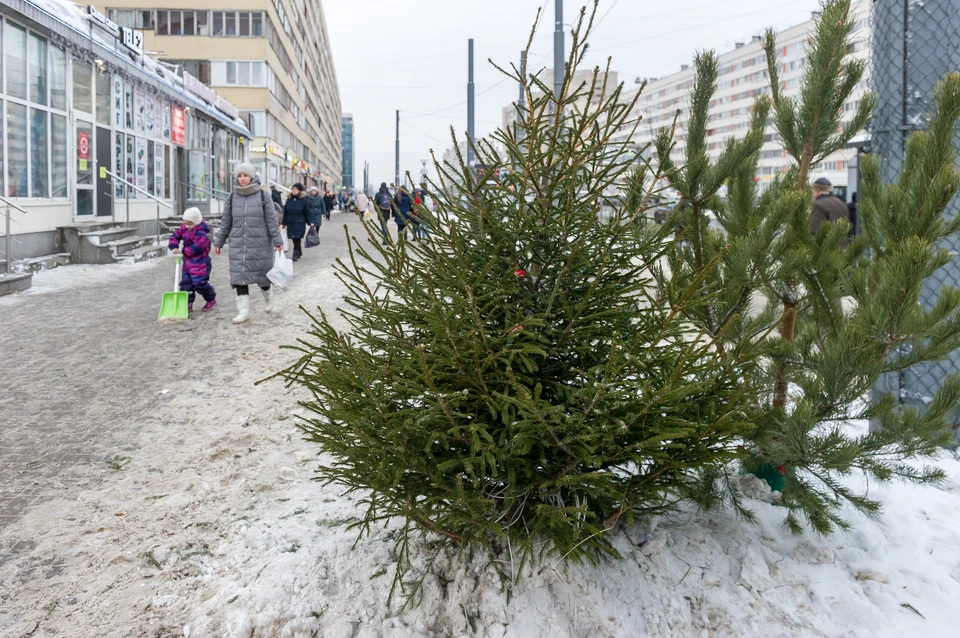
{"x": 412, "y": 56}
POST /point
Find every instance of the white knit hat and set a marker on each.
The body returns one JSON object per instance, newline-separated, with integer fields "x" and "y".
{"x": 246, "y": 169}
{"x": 193, "y": 215}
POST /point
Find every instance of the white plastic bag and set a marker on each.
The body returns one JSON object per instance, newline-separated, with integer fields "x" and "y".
{"x": 282, "y": 272}
{"x": 368, "y": 215}
{"x": 286, "y": 240}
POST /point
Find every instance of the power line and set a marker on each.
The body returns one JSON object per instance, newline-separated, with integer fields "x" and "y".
{"x": 425, "y": 134}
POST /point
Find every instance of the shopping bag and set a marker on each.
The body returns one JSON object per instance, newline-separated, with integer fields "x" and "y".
{"x": 286, "y": 240}
{"x": 282, "y": 272}
{"x": 313, "y": 238}
{"x": 367, "y": 215}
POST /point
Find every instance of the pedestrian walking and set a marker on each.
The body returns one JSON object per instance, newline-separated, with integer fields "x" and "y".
{"x": 316, "y": 206}
{"x": 404, "y": 211}
{"x": 384, "y": 203}
{"x": 419, "y": 204}
{"x": 194, "y": 236}
{"x": 249, "y": 221}
{"x": 330, "y": 202}
{"x": 827, "y": 207}
{"x": 275, "y": 195}
{"x": 296, "y": 218}
{"x": 363, "y": 202}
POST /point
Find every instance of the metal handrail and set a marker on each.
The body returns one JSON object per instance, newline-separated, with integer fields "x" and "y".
{"x": 280, "y": 186}
{"x": 7, "y": 238}
{"x": 106, "y": 171}
{"x": 212, "y": 191}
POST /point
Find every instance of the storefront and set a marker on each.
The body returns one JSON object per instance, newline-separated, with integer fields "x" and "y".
{"x": 79, "y": 96}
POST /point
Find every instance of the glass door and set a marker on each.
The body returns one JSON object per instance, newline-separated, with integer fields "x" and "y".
{"x": 85, "y": 199}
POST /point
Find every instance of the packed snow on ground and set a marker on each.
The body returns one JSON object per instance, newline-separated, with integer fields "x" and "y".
{"x": 209, "y": 524}
{"x": 78, "y": 276}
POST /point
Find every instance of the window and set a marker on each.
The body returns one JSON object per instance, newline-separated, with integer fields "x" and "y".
{"x": 123, "y": 17}
{"x": 188, "y": 23}
{"x": 161, "y": 28}
{"x": 151, "y": 167}
{"x": 176, "y": 26}
{"x": 203, "y": 24}
{"x": 243, "y": 73}
{"x": 244, "y": 23}
{"x": 15, "y": 45}
{"x": 256, "y": 25}
{"x": 230, "y": 23}
{"x": 128, "y": 105}
{"x": 103, "y": 98}
{"x": 58, "y": 135}
{"x": 37, "y": 56}
{"x": 58, "y": 78}
{"x": 38, "y": 153}
{"x": 16, "y": 150}
{"x": 218, "y": 23}
{"x": 231, "y": 72}
{"x": 83, "y": 86}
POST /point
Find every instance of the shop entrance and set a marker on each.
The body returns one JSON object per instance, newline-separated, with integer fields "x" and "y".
{"x": 84, "y": 200}
{"x": 104, "y": 192}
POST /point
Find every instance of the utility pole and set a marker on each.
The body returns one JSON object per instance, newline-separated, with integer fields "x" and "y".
{"x": 558, "y": 55}
{"x": 396, "y": 179}
{"x": 470, "y": 104}
{"x": 521, "y": 103}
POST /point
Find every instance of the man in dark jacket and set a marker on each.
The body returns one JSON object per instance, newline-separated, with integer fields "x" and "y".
{"x": 383, "y": 200}
{"x": 827, "y": 207}
{"x": 275, "y": 195}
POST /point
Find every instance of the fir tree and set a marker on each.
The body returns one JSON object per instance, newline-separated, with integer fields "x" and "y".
{"x": 515, "y": 380}
{"x": 837, "y": 314}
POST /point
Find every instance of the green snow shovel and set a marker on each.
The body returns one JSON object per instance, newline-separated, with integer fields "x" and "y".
{"x": 174, "y": 304}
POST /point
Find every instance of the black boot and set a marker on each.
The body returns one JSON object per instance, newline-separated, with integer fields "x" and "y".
{"x": 297, "y": 254}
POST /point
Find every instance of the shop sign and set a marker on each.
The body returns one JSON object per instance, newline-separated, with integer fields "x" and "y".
{"x": 227, "y": 108}
{"x": 83, "y": 150}
{"x": 198, "y": 88}
{"x": 133, "y": 40}
{"x": 258, "y": 149}
{"x": 178, "y": 126}
{"x": 102, "y": 21}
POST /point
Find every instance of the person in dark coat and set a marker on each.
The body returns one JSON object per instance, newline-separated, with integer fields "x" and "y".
{"x": 383, "y": 200}
{"x": 250, "y": 223}
{"x": 316, "y": 207}
{"x": 296, "y": 218}
{"x": 404, "y": 211}
{"x": 330, "y": 202}
{"x": 275, "y": 195}
{"x": 827, "y": 207}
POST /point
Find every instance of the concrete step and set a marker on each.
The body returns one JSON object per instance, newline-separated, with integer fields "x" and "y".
{"x": 89, "y": 227}
{"x": 107, "y": 235}
{"x": 14, "y": 283}
{"x": 127, "y": 244}
{"x": 44, "y": 262}
{"x": 141, "y": 253}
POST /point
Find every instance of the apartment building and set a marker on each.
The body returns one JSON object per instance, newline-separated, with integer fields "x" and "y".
{"x": 272, "y": 59}
{"x": 743, "y": 77}
{"x": 584, "y": 77}
{"x": 347, "y": 151}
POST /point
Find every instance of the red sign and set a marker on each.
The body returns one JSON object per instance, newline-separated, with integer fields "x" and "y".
{"x": 178, "y": 126}
{"x": 83, "y": 145}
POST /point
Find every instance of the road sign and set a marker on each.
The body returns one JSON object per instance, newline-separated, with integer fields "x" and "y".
{"x": 83, "y": 145}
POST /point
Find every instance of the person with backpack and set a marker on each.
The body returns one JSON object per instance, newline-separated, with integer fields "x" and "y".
{"x": 384, "y": 203}
{"x": 250, "y": 223}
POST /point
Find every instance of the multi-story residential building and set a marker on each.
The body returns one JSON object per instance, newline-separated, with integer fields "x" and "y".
{"x": 272, "y": 59}
{"x": 347, "y": 151}
{"x": 743, "y": 77}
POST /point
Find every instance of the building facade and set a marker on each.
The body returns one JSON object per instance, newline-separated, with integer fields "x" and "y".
{"x": 347, "y": 151}
{"x": 742, "y": 78}
{"x": 272, "y": 59}
{"x": 88, "y": 113}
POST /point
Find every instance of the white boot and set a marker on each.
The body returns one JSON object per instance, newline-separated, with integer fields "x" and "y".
{"x": 243, "y": 309}
{"x": 268, "y": 300}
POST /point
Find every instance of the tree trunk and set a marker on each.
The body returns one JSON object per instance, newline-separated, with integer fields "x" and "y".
{"x": 786, "y": 333}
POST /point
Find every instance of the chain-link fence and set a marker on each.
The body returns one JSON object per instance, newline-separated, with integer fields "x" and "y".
{"x": 914, "y": 44}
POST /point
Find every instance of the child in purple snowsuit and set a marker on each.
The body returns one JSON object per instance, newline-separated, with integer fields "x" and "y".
{"x": 194, "y": 233}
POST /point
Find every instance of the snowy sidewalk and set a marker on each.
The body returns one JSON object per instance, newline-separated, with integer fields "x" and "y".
{"x": 148, "y": 488}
